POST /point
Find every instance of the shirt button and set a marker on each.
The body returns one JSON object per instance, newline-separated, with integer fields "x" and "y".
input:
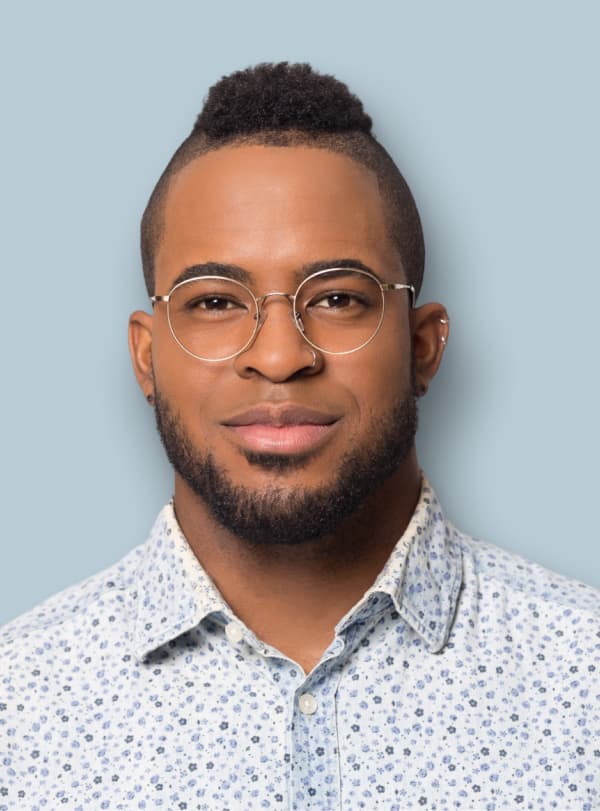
{"x": 234, "y": 632}
{"x": 307, "y": 704}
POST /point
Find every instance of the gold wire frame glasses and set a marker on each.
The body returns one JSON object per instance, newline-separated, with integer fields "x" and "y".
{"x": 337, "y": 311}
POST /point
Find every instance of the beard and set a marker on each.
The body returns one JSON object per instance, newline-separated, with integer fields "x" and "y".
{"x": 290, "y": 516}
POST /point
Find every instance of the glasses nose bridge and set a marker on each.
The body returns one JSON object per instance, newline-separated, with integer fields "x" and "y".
{"x": 291, "y": 300}
{"x": 260, "y": 301}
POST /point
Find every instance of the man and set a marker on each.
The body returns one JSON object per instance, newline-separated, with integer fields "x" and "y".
{"x": 303, "y": 629}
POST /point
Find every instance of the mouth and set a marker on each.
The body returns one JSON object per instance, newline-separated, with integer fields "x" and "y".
{"x": 288, "y": 429}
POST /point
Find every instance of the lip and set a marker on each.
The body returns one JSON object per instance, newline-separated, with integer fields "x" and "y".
{"x": 288, "y": 428}
{"x": 281, "y": 415}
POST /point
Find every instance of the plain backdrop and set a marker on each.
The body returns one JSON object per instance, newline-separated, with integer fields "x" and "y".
{"x": 490, "y": 109}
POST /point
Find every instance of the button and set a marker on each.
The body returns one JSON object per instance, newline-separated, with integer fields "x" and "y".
{"x": 234, "y": 632}
{"x": 307, "y": 704}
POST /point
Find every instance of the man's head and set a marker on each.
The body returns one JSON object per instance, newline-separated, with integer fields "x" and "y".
{"x": 282, "y": 442}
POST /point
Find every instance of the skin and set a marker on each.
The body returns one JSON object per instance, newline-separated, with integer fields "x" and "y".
{"x": 272, "y": 210}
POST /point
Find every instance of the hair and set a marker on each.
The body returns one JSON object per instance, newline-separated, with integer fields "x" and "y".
{"x": 290, "y": 105}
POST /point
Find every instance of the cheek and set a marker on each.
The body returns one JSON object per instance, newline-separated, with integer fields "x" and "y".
{"x": 386, "y": 364}
{"x": 375, "y": 385}
{"x": 183, "y": 380}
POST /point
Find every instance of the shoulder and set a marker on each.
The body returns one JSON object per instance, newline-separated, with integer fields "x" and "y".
{"x": 107, "y": 593}
{"x": 495, "y": 568}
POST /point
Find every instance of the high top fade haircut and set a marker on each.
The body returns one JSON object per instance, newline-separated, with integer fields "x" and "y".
{"x": 289, "y": 105}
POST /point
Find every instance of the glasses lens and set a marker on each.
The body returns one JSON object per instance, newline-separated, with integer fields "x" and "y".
{"x": 341, "y": 310}
{"x": 212, "y": 318}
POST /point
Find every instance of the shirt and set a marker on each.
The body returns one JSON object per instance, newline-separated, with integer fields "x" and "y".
{"x": 465, "y": 677}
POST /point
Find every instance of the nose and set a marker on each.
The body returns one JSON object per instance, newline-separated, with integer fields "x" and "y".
{"x": 278, "y": 352}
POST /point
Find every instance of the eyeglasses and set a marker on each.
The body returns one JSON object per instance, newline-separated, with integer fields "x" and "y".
{"x": 337, "y": 311}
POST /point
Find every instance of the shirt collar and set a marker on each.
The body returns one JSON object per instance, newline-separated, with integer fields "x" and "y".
{"x": 422, "y": 577}
{"x": 174, "y": 592}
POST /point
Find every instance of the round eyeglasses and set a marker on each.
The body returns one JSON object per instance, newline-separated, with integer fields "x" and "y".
{"x": 337, "y": 311}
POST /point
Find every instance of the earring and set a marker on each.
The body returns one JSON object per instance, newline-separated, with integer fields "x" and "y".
{"x": 444, "y": 339}
{"x": 150, "y": 399}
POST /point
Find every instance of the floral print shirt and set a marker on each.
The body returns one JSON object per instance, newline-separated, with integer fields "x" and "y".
{"x": 465, "y": 678}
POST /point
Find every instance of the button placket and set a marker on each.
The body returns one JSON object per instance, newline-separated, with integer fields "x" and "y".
{"x": 316, "y": 757}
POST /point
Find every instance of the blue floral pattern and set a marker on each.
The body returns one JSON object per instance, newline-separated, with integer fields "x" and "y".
{"x": 465, "y": 678}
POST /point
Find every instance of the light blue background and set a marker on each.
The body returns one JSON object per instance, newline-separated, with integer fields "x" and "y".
{"x": 492, "y": 112}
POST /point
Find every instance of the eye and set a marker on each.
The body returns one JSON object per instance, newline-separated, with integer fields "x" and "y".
{"x": 337, "y": 300}
{"x": 213, "y": 303}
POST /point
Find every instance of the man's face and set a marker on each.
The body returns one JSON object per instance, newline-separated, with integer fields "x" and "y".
{"x": 272, "y": 212}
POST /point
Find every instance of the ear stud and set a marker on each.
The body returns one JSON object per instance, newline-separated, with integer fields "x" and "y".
{"x": 444, "y": 339}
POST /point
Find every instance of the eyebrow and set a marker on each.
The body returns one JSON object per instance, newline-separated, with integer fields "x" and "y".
{"x": 239, "y": 274}
{"x": 234, "y": 272}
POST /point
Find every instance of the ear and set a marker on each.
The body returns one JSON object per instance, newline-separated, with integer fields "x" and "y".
{"x": 430, "y": 330}
{"x": 140, "y": 349}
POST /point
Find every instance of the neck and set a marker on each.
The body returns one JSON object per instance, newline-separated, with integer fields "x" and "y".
{"x": 293, "y": 596}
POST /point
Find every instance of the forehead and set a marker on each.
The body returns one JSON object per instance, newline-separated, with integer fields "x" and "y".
{"x": 271, "y": 210}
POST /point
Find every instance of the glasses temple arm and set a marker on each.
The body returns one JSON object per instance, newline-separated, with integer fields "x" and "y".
{"x": 413, "y": 294}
